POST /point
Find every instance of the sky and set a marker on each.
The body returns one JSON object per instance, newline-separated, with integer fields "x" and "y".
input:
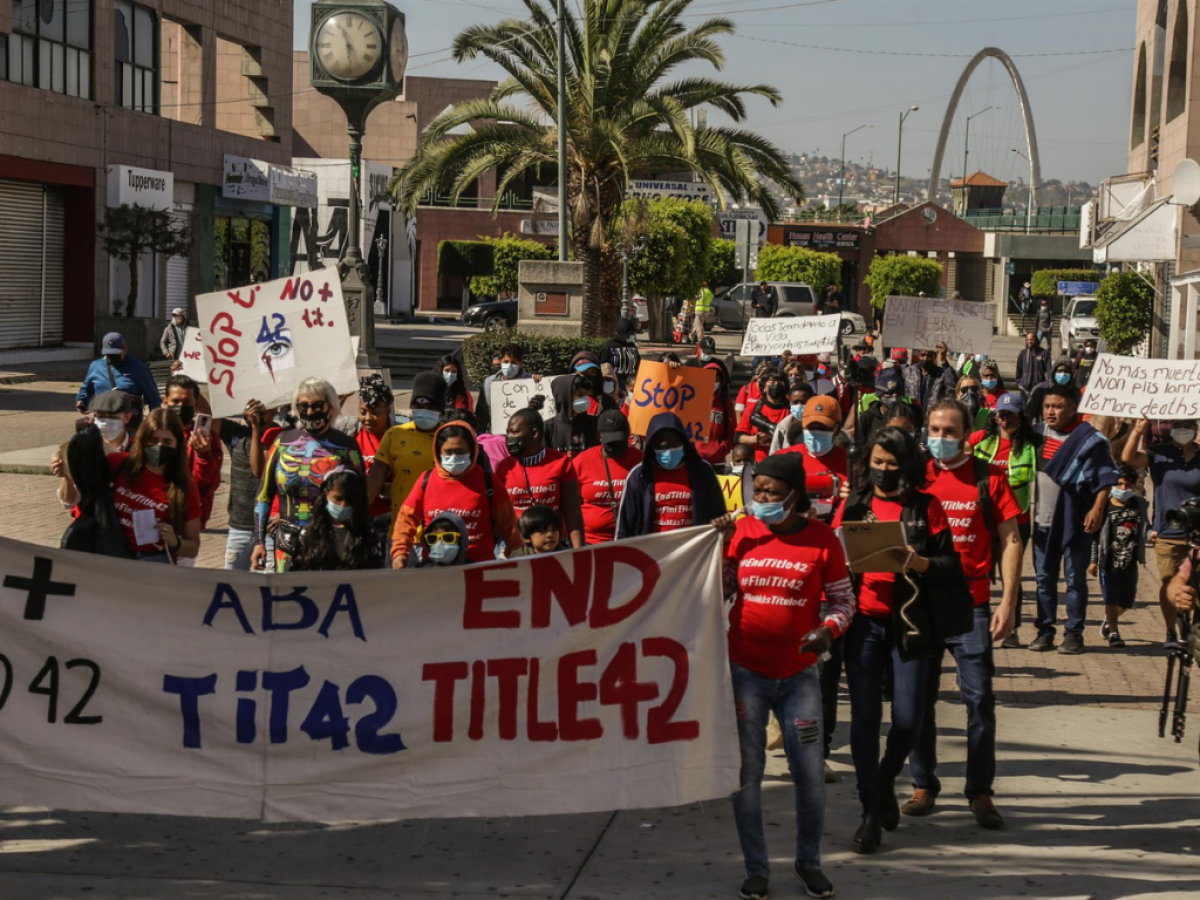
{"x": 865, "y": 61}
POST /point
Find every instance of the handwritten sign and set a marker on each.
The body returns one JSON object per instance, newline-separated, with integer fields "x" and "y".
{"x": 262, "y": 340}
{"x": 590, "y": 680}
{"x": 506, "y": 397}
{"x": 1129, "y": 387}
{"x": 192, "y": 356}
{"x": 685, "y": 391}
{"x": 920, "y": 323}
{"x": 799, "y": 334}
{"x": 731, "y": 490}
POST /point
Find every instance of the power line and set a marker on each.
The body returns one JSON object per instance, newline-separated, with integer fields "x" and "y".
{"x": 747, "y": 37}
{"x": 939, "y": 22}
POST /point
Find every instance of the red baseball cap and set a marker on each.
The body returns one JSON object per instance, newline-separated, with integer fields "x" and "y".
{"x": 899, "y": 353}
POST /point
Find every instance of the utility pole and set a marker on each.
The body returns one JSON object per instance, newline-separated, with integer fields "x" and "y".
{"x": 966, "y": 151}
{"x": 899, "y": 146}
{"x": 1029, "y": 205}
{"x": 842, "y": 179}
{"x": 562, "y": 137}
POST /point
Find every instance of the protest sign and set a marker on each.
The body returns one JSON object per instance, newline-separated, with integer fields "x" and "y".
{"x": 919, "y": 323}
{"x": 506, "y": 397}
{"x": 686, "y": 391}
{"x": 1133, "y": 388}
{"x": 192, "y": 356}
{"x": 731, "y": 490}
{"x": 262, "y": 340}
{"x": 799, "y": 334}
{"x": 584, "y": 681}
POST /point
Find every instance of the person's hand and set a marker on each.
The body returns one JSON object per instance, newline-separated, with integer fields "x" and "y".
{"x": 1141, "y": 427}
{"x": 818, "y": 641}
{"x": 255, "y": 414}
{"x": 81, "y": 408}
{"x": 1181, "y": 596}
{"x": 844, "y": 491}
{"x": 671, "y": 364}
{"x": 57, "y": 467}
{"x": 167, "y": 533}
{"x": 272, "y": 525}
{"x": 726, "y": 525}
{"x": 176, "y": 366}
{"x": 201, "y": 443}
{"x": 1093, "y": 570}
{"x": 763, "y": 439}
{"x": 399, "y": 562}
{"x": 909, "y": 558}
{"x": 258, "y": 558}
{"x": 1004, "y": 621}
{"x": 1091, "y": 524}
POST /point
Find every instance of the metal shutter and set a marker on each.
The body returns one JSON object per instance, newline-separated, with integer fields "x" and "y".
{"x": 178, "y": 286}
{"x": 54, "y": 266}
{"x": 21, "y": 216}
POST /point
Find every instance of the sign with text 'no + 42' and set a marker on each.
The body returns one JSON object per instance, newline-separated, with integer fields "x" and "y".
{"x": 921, "y": 323}
{"x": 799, "y": 334}
{"x": 1133, "y": 388}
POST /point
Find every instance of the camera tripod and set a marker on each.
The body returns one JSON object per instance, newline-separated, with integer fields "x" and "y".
{"x": 1178, "y": 682}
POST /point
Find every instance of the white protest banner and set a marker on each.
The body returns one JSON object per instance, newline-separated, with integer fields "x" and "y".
{"x": 262, "y": 340}
{"x": 799, "y": 334}
{"x": 506, "y": 397}
{"x": 919, "y": 323}
{"x": 1133, "y": 388}
{"x": 192, "y": 356}
{"x": 584, "y": 681}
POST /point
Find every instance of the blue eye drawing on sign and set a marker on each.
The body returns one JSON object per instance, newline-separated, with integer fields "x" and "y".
{"x": 275, "y": 350}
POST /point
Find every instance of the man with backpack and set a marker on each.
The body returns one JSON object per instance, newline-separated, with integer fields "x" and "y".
{"x": 983, "y": 513}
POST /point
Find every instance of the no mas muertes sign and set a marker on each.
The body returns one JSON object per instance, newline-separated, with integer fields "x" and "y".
{"x": 577, "y": 682}
{"x": 799, "y": 334}
{"x": 920, "y": 323}
{"x": 1134, "y": 388}
{"x": 262, "y": 340}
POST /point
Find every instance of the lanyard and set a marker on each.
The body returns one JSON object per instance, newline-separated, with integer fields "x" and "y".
{"x": 608, "y": 475}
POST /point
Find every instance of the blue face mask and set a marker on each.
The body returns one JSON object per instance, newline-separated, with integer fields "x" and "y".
{"x": 979, "y": 357}
{"x": 770, "y": 513}
{"x": 797, "y": 410}
{"x": 1123, "y": 495}
{"x": 1062, "y": 378}
{"x": 991, "y": 383}
{"x": 508, "y": 370}
{"x": 337, "y": 512}
{"x": 450, "y": 377}
{"x": 442, "y": 553}
{"x": 580, "y": 405}
{"x": 425, "y": 419}
{"x": 944, "y": 448}
{"x": 456, "y": 463}
{"x": 818, "y": 442}
{"x": 669, "y": 459}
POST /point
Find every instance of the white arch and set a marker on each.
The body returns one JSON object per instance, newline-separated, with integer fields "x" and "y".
{"x": 935, "y": 174}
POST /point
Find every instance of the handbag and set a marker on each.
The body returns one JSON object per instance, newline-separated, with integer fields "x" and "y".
{"x": 288, "y": 536}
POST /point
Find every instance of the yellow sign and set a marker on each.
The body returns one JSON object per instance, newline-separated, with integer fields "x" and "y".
{"x": 731, "y": 487}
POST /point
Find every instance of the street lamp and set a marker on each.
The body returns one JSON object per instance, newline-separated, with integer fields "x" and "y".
{"x": 381, "y": 244}
{"x": 899, "y": 145}
{"x": 562, "y": 137}
{"x": 966, "y": 150}
{"x": 842, "y": 179}
{"x": 627, "y": 253}
{"x": 1029, "y": 205}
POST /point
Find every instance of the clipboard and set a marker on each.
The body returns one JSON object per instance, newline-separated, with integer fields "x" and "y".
{"x": 867, "y": 545}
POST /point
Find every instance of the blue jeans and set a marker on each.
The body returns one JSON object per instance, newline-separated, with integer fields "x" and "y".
{"x": 972, "y": 654}
{"x": 1073, "y": 559}
{"x": 796, "y": 702}
{"x": 869, "y": 645}
{"x": 238, "y": 546}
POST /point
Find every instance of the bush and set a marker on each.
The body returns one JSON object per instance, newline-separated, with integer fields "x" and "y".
{"x": 723, "y": 270}
{"x": 905, "y": 276}
{"x": 1044, "y": 284}
{"x": 776, "y": 263}
{"x": 1124, "y": 311}
{"x": 543, "y": 355}
{"x": 466, "y": 259}
{"x": 507, "y": 253}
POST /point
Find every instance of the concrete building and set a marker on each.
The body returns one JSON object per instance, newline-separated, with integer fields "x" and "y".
{"x": 104, "y": 102}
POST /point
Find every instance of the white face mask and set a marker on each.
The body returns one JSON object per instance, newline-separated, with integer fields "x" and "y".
{"x": 112, "y": 430}
{"x": 425, "y": 419}
{"x": 1183, "y": 436}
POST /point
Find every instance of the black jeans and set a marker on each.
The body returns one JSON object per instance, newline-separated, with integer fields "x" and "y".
{"x": 831, "y": 675}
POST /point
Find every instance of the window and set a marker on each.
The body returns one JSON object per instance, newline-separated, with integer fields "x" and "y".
{"x": 50, "y": 46}
{"x": 1177, "y": 74}
{"x": 1139, "y": 102}
{"x": 136, "y": 41}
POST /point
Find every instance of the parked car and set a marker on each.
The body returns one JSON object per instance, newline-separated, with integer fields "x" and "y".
{"x": 732, "y": 308}
{"x": 1079, "y": 324}
{"x": 492, "y": 315}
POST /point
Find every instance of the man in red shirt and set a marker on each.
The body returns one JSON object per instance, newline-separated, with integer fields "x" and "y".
{"x": 826, "y": 467}
{"x": 978, "y": 517}
{"x": 602, "y": 472}
{"x": 204, "y": 455}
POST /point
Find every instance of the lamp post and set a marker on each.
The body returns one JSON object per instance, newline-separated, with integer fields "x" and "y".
{"x": 627, "y": 253}
{"x": 381, "y": 244}
{"x": 1029, "y": 205}
{"x": 842, "y": 177}
{"x": 899, "y": 146}
{"x": 966, "y": 151}
{"x": 562, "y": 137}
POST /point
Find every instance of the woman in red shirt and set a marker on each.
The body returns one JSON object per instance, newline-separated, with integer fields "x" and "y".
{"x": 457, "y": 395}
{"x": 992, "y": 381}
{"x": 534, "y": 474}
{"x": 758, "y": 421}
{"x": 897, "y": 618}
{"x": 152, "y": 484}
{"x": 721, "y": 435}
{"x": 602, "y": 472}
{"x": 779, "y": 566}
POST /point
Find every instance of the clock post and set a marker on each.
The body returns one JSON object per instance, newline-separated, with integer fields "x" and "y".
{"x": 358, "y": 55}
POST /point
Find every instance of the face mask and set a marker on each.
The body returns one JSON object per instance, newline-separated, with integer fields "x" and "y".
{"x": 818, "y": 442}
{"x": 775, "y": 391}
{"x": 705, "y": 357}
{"x": 111, "y": 429}
{"x": 669, "y": 459}
{"x": 979, "y": 357}
{"x": 1089, "y": 351}
{"x": 944, "y": 448}
{"x": 425, "y": 419}
{"x": 889, "y": 401}
{"x": 991, "y": 383}
{"x": 1183, "y": 436}
{"x": 1062, "y": 378}
{"x": 737, "y": 469}
{"x": 508, "y": 370}
{"x": 580, "y": 404}
{"x": 610, "y": 387}
{"x": 338, "y": 512}
{"x": 770, "y": 513}
{"x": 797, "y": 410}
{"x": 887, "y": 480}
{"x": 442, "y": 553}
{"x": 456, "y": 463}
{"x": 450, "y": 377}
{"x": 185, "y": 413}
{"x": 1124, "y": 496}
{"x": 716, "y": 387}
{"x": 516, "y": 446}
{"x": 615, "y": 448}
{"x": 314, "y": 421}
{"x": 159, "y": 456}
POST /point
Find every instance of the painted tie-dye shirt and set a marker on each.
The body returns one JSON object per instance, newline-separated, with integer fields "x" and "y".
{"x": 296, "y": 468}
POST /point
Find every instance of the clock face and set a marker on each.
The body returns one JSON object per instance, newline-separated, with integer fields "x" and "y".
{"x": 398, "y": 51}
{"x": 348, "y": 45}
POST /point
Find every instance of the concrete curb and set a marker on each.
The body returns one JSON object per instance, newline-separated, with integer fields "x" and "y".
{"x": 18, "y": 378}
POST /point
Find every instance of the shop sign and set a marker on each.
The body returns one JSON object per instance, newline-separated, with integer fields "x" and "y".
{"x": 818, "y": 239}
{"x": 261, "y": 182}
{"x": 147, "y": 188}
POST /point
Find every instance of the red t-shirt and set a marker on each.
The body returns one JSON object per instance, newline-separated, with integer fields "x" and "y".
{"x": 599, "y": 505}
{"x": 817, "y": 473}
{"x": 268, "y": 441}
{"x": 959, "y": 494}
{"x": 877, "y": 590}
{"x": 749, "y": 394}
{"x": 672, "y": 500}
{"x": 368, "y": 443}
{"x": 771, "y": 414}
{"x": 542, "y": 484}
{"x": 467, "y": 498}
{"x": 1051, "y": 444}
{"x": 990, "y": 399}
{"x": 781, "y": 580}
{"x": 145, "y": 491}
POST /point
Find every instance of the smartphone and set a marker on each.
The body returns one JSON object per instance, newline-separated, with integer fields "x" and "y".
{"x": 202, "y": 424}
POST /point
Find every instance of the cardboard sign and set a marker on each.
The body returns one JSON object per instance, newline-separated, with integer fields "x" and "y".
{"x": 506, "y": 397}
{"x": 686, "y": 391}
{"x": 498, "y": 689}
{"x": 192, "y": 356}
{"x": 262, "y": 340}
{"x": 731, "y": 490}
{"x": 869, "y": 545}
{"x": 919, "y": 323}
{"x": 1129, "y": 387}
{"x": 799, "y": 334}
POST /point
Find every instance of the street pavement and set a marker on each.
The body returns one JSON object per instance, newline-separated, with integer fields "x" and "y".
{"x": 1096, "y": 805}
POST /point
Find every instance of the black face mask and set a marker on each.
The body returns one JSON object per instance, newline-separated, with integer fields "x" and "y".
{"x": 615, "y": 448}
{"x": 516, "y": 446}
{"x": 776, "y": 391}
{"x": 160, "y": 456}
{"x": 887, "y": 480}
{"x": 185, "y": 413}
{"x": 314, "y": 421}
{"x": 889, "y": 400}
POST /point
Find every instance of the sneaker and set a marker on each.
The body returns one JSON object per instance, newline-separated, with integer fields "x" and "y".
{"x": 1072, "y": 645}
{"x": 754, "y": 888}
{"x": 831, "y": 775}
{"x": 1172, "y": 641}
{"x": 1104, "y": 631}
{"x": 814, "y": 881}
{"x": 920, "y": 804}
{"x": 1012, "y": 642}
{"x": 1042, "y": 643}
{"x": 984, "y": 809}
{"x": 1115, "y": 640}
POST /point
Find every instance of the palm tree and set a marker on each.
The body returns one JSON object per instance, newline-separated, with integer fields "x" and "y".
{"x": 624, "y": 120}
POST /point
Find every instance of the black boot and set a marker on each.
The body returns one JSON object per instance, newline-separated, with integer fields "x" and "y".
{"x": 870, "y": 832}
{"x": 889, "y": 806}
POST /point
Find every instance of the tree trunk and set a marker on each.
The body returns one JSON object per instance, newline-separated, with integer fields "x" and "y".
{"x": 131, "y": 303}
{"x": 593, "y": 316}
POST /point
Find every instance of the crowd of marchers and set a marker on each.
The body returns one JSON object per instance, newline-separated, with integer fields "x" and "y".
{"x": 975, "y": 467}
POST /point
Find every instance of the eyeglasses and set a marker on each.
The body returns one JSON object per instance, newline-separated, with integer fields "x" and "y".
{"x": 450, "y": 538}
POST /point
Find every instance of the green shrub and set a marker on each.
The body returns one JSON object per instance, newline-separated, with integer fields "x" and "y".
{"x": 543, "y": 355}
{"x": 776, "y": 263}
{"x": 678, "y": 251}
{"x": 905, "y": 276}
{"x": 465, "y": 259}
{"x": 507, "y": 253}
{"x": 1124, "y": 311}
{"x": 1044, "y": 284}
{"x": 723, "y": 270}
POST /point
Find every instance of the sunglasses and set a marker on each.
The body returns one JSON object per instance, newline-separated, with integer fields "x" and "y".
{"x": 303, "y": 408}
{"x": 1006, "y": 417}
{"x": 450, "y": 538}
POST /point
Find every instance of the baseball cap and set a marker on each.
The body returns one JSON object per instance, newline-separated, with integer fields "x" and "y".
{"x": 887, "y": 382}
{"x": 112, "y": 344}
{"x": 708, "y": 346}
{"x": 179, "y": 311}
{"x": 110, "y": 403}
{"x": 899, "y": 353}
{"x": 1011, "y": 402}
{"x": 822, "y": 410}
{"x": 612, "y": 426}
{"x": 584, "y": 364}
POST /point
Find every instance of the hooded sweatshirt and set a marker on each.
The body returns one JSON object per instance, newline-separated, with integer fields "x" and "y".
{"x": 464, "y": 542}
{"x": 570, "y": 433}
{"x": 723, "y": 418}
{"x": 489, "y": 520}
{"x": 657, "y": 500}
